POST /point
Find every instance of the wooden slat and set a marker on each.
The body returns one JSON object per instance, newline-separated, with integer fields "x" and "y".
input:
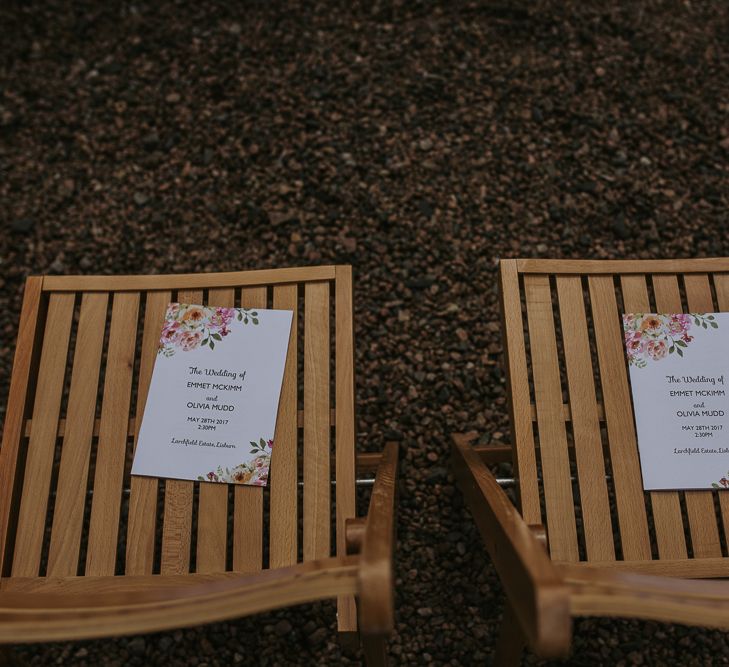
{"x": 248, "y": 507}
{"x": 585, "y": 421}
{"x": 688, "y": 568}
{"x": 212, "y": 514}
{"x": 283, "y": 475}
{"x": 666, "y": 507}
{"x": 187, "y": 280}
{"x": 111, "y": 449}
{"x": 179, "y": 498}
{"x": 621, "y": 266}
{"x": 316, "y": 422}
{"x": 15, "y": 413}
{"x": 525, "y": 465}
{"x": 39, "y": 462}
{"x": 705, "y": 540}
{"x": 552, "y": 435}
{"x": 721, "y": 286}
{"x": 619, "y": 420}
{"x": 345, "y": 432}
{"x": 73, "y": 471}
{"x": 105, "y": 585}
{"x": 143, "y": 496}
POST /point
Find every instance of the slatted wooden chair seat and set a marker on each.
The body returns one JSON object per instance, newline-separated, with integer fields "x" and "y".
{"x": 612, "y": 549}
{"x": 88, "y": 551}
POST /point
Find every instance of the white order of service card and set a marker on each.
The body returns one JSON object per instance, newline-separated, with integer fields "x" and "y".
{"x": 679, "y": 375}
{"x": 213, "y": 398}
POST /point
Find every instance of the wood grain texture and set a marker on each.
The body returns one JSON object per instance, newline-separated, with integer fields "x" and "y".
{"x": 688, "y": 568}
{"x": 64, "y": 606}
{"x": 15, "y": 412}
{"x": 248, "y": 508}
{"x": 345, "y": 431}
{"x": 143, "y": 495}
{"x": 621, "y": 266}
{"x": 377, "y": 607}
{"x": 666, "y": 507}
{"x": 589, "y": 456}
{"x": 531, "y": 581}
{"x": 187, "y": 280}
{"x": 721, "y": 286}
{"x": 626, "y": 594}
{"x": 621, "y": 432}
{"x": 112, "y": 446}
{"x": 284, "y": 458}
{"x": 556, "y": 482}
{"x": 41, "y": 446}
{"x": 73, "y": 471}
{"x": 705, "y": 540}
{"x": 212, "y": 513}
{"x": 179, "y": 497}
{"x": 525, "y": 462}
{"x": 35, "y": 618}
{"x": 316, "y": 422}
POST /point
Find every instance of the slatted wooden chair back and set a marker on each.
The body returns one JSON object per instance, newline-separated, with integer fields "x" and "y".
{"x": 575, "y": 447}
{"x": 83, "y": 364}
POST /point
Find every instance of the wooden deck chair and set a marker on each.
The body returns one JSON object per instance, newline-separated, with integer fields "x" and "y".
{"x": 584, "y": 538}
{"x": 86, "y": 551}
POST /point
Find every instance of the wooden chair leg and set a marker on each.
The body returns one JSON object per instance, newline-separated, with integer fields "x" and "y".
{"x": 375, "y": 650}
{"x": 511, "y": 642}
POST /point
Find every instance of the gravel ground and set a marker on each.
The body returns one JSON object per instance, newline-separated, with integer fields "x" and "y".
{"x": 419, "y": 143}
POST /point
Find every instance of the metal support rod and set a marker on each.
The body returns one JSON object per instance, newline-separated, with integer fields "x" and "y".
{"x": 506, "y": 482}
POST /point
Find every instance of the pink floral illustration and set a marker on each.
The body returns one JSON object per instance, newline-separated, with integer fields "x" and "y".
{"x": 253, "y": 472}
{"x": 723, "y": 483}
{"x": 652, "y": 337}
{"x": 188, "y": 327}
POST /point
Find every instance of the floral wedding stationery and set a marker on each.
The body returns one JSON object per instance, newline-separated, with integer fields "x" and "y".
{"x": 213, "y": 399}
{"x": 679, "y": 375}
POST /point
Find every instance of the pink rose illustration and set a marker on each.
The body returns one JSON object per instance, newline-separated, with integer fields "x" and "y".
{"x": 657, "y": 349}
{"x": 652, "y": 337}
{"x": 190, "y": 340}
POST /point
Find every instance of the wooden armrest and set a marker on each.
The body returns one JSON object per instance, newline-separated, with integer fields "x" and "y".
{"x": 609, "y": 592}
{"x": 533, "y": 584}
{"x": 376, "y": 613}
{"x": 368, "y": 461}
{"x": 491, "y": 454}
{"x": 88, "y": 613}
